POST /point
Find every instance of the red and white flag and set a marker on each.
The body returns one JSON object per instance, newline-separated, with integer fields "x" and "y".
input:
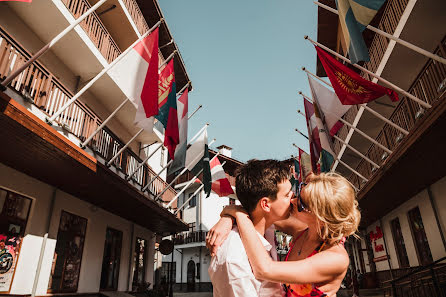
{"x": 137, "y": 76}
{"x": 220, "y": 183}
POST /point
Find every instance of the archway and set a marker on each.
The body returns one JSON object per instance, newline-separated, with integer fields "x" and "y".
{"x": 191, "y": 276}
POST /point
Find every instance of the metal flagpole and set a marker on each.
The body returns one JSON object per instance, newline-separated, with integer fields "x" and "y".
{"x": 99, "y": 75}
{"x": 170, "y": 162}
{"x": 364, "y": 106}
{"x": 84, "y": 144}
{"x": 353, "y": 127}
{"x": 297, "y": 130}
{"x": 50, "y": 44}
{"x": 168, "y": 59}
{"x": 340, "y": 161}
{"x": 149, "y": 156}
{"x": 124, "y": 147}
{"x": 178, "y": 176}
{"x": 192, "y": 196}
{"x": 356, "y": 151}
{"x": 200, "y": 106}
{"x": 188, "y": 184}
{"x": 350, "y": 147}
{"x": 396, "y": 88}
{"x": 390, "y": 36}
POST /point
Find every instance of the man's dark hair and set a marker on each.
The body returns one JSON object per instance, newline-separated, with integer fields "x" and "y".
{"x": 257, "y": 179}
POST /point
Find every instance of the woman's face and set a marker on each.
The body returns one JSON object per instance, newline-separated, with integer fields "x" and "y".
{"x": 305, "y": 216}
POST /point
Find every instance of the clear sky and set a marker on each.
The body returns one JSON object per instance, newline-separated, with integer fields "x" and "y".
{"x": 244, "y": 59}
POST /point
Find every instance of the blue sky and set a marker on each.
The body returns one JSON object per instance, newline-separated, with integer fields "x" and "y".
{"x": 244, "y": 60}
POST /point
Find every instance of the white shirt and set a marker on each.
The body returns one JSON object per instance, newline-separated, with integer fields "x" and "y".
{"x": 231, "y": 273}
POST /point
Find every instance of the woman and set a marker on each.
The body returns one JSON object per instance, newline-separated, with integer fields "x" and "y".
{"x": 317, "y": 262}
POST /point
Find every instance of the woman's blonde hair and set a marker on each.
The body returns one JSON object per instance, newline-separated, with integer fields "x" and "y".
{"x": 332, "y": 199}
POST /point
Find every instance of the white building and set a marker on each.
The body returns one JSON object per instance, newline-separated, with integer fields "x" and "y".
{"x": 403, "y": 201}
{"x": 101, "y": 228}
{"x": 191, "y": 257}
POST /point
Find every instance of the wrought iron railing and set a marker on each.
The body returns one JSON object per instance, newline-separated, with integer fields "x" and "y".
{"x": 425, "y": 281}
{"x": 190, "y": 237}
{"x": 41, "y": 88}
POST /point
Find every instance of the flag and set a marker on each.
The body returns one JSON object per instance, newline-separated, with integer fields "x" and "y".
{"x": 197, "y": 158}
{"x": 313, "y": 135}
{"x": 29, "y": 1}
{"x": 322, "y": 155}
{"x": 330, "y": 106}
{"x": 295, "y": 176}
{"x": 220, "y": 183}
{"x": 167, "y": 104}
{"x": 305, "y": 164}
{"x": 354, "y": 16}
{"x": 350, "y": 87}
{"x": 180, "y": 152}
{"x": 136, "y": 74}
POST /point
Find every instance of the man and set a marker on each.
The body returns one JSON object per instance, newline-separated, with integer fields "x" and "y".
{"x": 263, "y": 188}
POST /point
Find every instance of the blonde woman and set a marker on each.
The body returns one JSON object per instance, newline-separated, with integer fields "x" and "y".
{"x": 317, "y": 261}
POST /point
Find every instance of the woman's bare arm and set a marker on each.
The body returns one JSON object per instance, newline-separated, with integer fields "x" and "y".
{"x": 322, "y": 267}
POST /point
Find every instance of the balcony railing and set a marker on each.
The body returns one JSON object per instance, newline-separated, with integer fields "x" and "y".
{"x": 40, "y": 87}
{"x": 190, "y": 237}
{"x": 95, "y": 29}
{"x": 136, "y": 15}
{"x": 429, "y": 86}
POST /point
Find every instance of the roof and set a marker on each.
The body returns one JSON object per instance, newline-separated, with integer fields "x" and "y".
{"x": 152, "y": 13}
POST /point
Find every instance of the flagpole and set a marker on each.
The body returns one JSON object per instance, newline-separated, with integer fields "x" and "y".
{"x": 364, "y": 106}
{"x": 124, "y": 147}
{"x": 143, "y": 189}
{"x": 145, "y": 160}
{"x": 187, "y": 185}
{"x": 192, "y": 196}
{"x": 167, "y": 44}
{"x": 168, "y": 59}
{"x": 297, "y": 130}
{"x": 396, "y": 88}
{"x": 183, "y": 88}
{"x": 200, "y": 106}
{"x": 390, "y": 36}
{"x": 99, "y": 75}
{"x": 178, "y": 176}
{"x": 353, "y": 127}
{"x": 343, "y": 163}
{"x": 84, "y": 144}
{"x": 352, "y": 148}
{"x": 49, "y": 45}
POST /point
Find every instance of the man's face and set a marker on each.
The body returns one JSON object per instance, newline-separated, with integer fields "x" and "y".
{"x": 280, "y": 208}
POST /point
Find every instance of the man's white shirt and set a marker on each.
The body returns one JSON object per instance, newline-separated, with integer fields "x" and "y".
{"x": 231, "y": 273}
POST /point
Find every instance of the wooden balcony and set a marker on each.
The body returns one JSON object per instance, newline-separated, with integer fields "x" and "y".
{"x": 41, "y": 88}
{"x": 429, "y": 86}
{"x": 190, "y": 237}
{"x": 94, "y": 28}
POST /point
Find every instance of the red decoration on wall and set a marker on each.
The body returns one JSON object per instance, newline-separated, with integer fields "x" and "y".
{"x": 376, "y": 236}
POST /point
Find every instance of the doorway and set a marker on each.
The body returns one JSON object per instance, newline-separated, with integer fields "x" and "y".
{"x": 191, "y": 276}
{"x": 111, "y": 260}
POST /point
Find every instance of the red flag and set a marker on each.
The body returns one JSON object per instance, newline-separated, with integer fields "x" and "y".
{"x": 220, "y": 183}
{"x": 167, "y": 104}
{"x": 313, "y": 135}
{"x": 350, "y": 87}
{"x": 149, "y": 93}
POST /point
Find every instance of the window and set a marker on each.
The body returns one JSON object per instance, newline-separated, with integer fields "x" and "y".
{"x": 111, "y": 259}
{"x": 165, "y": 272}
{"x": 419, "y": 236}
{"x": 68, "y": 253}
{"x": 14, "y": 212}
{"x": 398, "y": 239}
{"x": 193, "y": 201}
{"x": 231, "y": 201}
{"x": 139, "y": 257}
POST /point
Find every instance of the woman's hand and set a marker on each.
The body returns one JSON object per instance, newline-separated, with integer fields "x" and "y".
{"x": 232, "y": 210}
{"x": 218, "y": 234}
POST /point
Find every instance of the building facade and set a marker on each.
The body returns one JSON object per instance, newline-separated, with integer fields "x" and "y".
{"x": 402, "y": 244}
{"x": 191, "y": 258}
{"x": 72, "y": 220}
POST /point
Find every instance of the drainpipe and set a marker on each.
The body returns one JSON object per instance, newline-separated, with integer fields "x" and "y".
{"x": 132, "y": 248}
{"x": 437, "y": 219}
{"x": 42, "y": 248}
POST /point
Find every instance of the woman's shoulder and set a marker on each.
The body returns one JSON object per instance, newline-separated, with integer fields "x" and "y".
{"x": 336, "y": 253}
